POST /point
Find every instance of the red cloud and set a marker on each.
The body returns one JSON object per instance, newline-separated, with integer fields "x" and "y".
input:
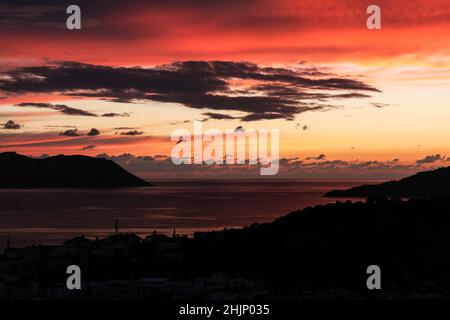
{"x": 281, "y": 30}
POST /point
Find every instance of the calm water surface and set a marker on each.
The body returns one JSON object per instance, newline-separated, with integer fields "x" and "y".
{"x": 43, "y": 216}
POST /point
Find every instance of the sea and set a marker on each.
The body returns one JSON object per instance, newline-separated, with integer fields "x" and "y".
{"x": 51, "y": 216}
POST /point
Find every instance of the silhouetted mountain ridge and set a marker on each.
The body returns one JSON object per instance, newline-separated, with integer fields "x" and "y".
{"x": 319, "y": 252}
{"x": 433, "y": 183}
{"x": 19, "y": 171}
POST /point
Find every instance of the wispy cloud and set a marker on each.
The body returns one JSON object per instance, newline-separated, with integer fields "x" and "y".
{"x": 132, "y": 133}
{"x": 58, "y": 107}
{"x": 89, "y": 147}
{"x": 113, "y": 114}
{"x": 71, "y": 133}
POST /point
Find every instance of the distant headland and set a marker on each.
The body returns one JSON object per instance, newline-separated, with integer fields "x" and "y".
{"x": 435, "y": 183}
{"x": 19, "y": 171}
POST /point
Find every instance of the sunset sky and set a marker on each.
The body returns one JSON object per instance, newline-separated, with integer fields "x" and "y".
{"x": 349, "y": 102}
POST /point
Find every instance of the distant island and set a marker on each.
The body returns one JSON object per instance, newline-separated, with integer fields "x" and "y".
{"x": 435, "y": 183}
{"x": 19, "y": 171}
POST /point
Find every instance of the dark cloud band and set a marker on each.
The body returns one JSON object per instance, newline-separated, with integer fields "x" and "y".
{"x": 263, "y": 92}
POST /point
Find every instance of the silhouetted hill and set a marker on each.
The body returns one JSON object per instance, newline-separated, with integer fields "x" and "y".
{"x": 320, "y": 252}
{"x": 18, "y": 171}
{"x": 423, "y": 184}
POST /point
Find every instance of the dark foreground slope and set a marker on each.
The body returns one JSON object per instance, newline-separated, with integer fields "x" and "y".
{"x": 423, "y": 184}
{"x": 18, "y": 171}
{"x": 317, "y": 253}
